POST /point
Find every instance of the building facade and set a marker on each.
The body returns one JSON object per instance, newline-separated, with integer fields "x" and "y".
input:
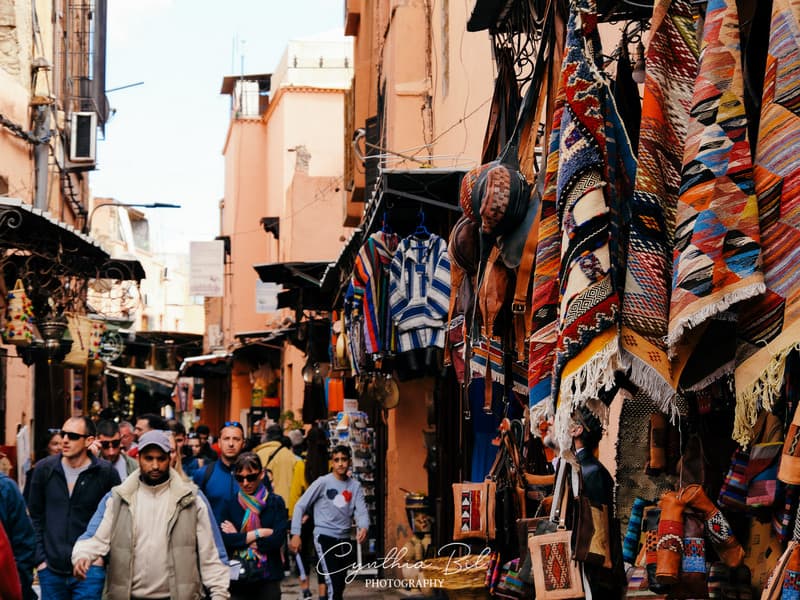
{"x": 52, "y": 105}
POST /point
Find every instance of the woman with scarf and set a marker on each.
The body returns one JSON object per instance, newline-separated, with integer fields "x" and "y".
{"x": 254, "y": 528}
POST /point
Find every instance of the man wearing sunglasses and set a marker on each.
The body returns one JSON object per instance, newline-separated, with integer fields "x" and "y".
{"x": 108, "y": 444}
{"x": 157, "y": 533}
{"x": 65, "y": 491}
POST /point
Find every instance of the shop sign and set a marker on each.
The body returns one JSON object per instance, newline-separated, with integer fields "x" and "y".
{"x": 207, "y": 271}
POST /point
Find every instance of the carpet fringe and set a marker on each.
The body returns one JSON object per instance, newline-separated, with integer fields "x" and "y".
{"x": 581, "y": 388}
{"x": 648, "y": 379}
{"x": 759, "y": 394}
{"x": 723, "y": 371}
{"x": 687, "y": 323}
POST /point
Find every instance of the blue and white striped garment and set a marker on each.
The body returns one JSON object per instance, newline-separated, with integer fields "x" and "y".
{"x": 419, "y": 292}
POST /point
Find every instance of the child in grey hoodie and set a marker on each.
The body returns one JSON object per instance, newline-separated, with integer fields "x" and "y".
{"x": 335, "y": 498}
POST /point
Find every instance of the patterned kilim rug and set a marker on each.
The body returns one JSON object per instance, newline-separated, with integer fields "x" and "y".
{"x": 769, "y": 326}
{"x": 671, "y": 70}
{"x": 717, "y": 239}
{"x": 544, "y": 296}
{"x": 587, "y": 350}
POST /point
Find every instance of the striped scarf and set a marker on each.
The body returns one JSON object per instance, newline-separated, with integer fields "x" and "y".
{"x": 253, "y": 505}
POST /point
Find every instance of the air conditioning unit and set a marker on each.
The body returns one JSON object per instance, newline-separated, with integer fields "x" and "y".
{"x": 83, "y": 137}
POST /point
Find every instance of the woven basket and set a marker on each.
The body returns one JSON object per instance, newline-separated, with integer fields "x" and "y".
{"x": 466, "y": 573}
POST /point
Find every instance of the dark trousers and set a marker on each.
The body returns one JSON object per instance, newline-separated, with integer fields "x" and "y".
{"x": 334, "y": 558}
{"x": 256, "y": 590}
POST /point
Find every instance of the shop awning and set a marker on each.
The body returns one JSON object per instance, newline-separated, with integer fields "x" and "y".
{"x": 292, "y": 274}
{"x": 164, "y": 378}
{"x": 206, "y": 365}
{"x": 262, "y": 346}
{"x": 41, "y": 241}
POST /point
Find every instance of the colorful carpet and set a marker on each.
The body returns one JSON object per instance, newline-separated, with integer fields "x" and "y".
{"x": 544, "y": 296}
{"x": 717, "y": 255}
{"x": 587, "y": 349}
{"x": 671, "y": 71}
{"x": 769, "y": 326}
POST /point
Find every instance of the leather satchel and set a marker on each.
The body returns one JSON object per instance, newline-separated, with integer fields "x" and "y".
{"x": 556, "y": 575}
{"x": 474, "y": 510}
{"x": 592, "y": 543}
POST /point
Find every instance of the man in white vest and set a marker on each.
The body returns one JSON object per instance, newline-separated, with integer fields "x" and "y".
{"x": 157, "y": 534}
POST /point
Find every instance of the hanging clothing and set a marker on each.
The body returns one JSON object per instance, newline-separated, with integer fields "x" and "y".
{"x": 371, "y": 290}
{"x": 419, "y": 292}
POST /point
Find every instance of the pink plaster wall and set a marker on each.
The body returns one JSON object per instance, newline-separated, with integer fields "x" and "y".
{"x": 405, "y": 457}
{"x": 245, "y": 205}
{"x": 19, "y": 395}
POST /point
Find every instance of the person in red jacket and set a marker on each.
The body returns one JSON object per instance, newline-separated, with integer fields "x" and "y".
{"x": 17, "y": 544}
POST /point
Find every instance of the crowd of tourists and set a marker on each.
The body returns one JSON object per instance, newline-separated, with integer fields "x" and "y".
{"x": 151, "y": 511}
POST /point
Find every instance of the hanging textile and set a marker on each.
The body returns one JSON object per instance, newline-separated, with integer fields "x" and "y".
{"x": 544, "y": 287}
{"x": 587, "y": 350}
{"x": 544, "y": 297}
{"x": 371, "y": 286}
{"x": 769, "y": 326}
{"x": 671, "y": 70}
{"x": 717, "y": 254}
{"x": 419, "y": 292}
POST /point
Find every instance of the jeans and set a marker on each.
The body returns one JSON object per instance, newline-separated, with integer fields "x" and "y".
{"x": 63, "y": 587}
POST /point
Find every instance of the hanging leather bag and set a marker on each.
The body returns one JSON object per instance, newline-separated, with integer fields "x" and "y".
{"x": 592, "y": 539}
{"x": 474, "y": 510}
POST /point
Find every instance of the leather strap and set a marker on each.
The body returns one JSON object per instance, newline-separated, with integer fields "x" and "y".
{"x": 542, "y": 81}
{"x": 487, "y": 329}
{"x": 520, "y": 307}
{"x": 559, "y": 505}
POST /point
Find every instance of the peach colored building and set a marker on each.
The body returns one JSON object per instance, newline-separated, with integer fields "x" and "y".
{"x": 283, "y": 162}
{"x": 52, "y": 101}
{"x": 430, "y": 83}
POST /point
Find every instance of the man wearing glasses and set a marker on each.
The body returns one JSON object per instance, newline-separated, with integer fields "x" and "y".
{"x": 65, "y": 491}
{"x": 215, "y": 479}
{"x": 108, "y": 446}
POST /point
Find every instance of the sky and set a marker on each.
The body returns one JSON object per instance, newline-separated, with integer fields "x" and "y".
{"x": 164, "y": 141}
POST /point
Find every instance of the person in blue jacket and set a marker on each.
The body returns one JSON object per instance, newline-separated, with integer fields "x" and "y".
{"x": 215, "y": 479}
{"x": 254, "y": 528}
{"x": 19, "y": 529}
